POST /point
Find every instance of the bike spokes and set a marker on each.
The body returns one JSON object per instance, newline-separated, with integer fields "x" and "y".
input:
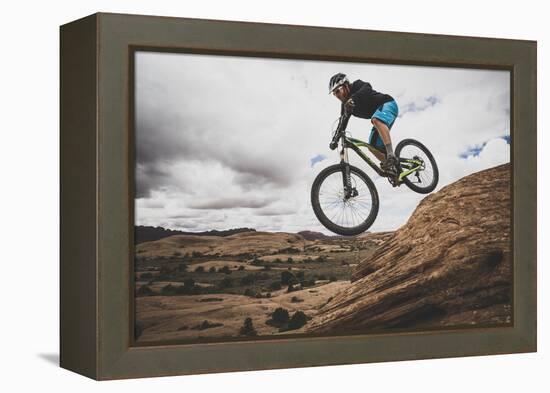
{"x": 345, "y": 208}
{"x": 418, "y": 167}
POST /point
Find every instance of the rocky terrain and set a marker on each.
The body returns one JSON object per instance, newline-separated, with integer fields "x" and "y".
{"x": 450, "y": 265}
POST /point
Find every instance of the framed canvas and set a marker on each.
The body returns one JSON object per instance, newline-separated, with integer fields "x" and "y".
{"x": 245, "y": 196}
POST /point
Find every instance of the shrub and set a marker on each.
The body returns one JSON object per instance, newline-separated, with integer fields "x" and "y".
{"x": 212, "y": 269}
{"x": 182, "y": 267}
{"x": 196, "y": 254}
{"x": 189, "y": 282}
{"x": 249, "y": 292}
{"x": 295, "y": 299}
{"x": 275, "y": 286}
{"x": 298, "y": 320}
{"x": 300, "y": 275}
{"x": 287, "y": 278}
{"x": 168, "y": 289}
{"x": 241, "y": 267}
{"x": 226, "y": 282}
{"x": 225, "y": 270}
{"x": 207, "y": 325}
{"x": 290, "y": 260}
{"x": 307, "y": 283}
{"x": 164, "y": 270}
{"x": 267, "y": 267}
{"x": 322, "y": 277}
{"x": 248, "y": 328}
{"x": 199, "y": 269}
{"x": 247, "y": 280}
{"x": 261, "y": 276}
{"x": 280, "y": 315}
{"x": 333, "y": 278}
{"x": 144, "y": 290}
{"x": 177, "y": 254}
{"x": 146, "y": 276}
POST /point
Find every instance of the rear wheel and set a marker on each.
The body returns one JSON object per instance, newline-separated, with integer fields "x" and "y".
{"x": 343, "y": 214}
{"x": 413, "y": 154}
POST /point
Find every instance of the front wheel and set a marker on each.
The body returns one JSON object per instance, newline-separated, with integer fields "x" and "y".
{"x": 345, "y": 212}
{"x": 418, "y": 166}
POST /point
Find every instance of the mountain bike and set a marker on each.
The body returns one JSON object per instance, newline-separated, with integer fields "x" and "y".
{"x": 345, "y": 199}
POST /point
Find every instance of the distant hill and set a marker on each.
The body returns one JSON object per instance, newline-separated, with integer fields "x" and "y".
{"x": 310, "y": 235}
{"x": 147, "y": 233}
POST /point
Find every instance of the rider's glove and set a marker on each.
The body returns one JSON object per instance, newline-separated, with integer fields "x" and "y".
{"x": 349, "y": 105}
{"x": 333, "y": 145}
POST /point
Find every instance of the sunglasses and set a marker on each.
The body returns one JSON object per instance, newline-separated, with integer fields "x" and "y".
{"x": 338, "y": 90}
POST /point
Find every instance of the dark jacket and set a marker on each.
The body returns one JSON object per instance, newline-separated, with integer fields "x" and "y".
{"x": 366, "y": 99}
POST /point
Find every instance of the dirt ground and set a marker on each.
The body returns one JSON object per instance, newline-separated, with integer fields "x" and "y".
{"x": 166, "y": 318}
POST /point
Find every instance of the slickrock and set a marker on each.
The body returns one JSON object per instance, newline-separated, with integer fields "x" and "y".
{"x": 449, "y": 265}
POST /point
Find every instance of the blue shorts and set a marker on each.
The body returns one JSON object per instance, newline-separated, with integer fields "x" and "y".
{"x": 386, "y": 113}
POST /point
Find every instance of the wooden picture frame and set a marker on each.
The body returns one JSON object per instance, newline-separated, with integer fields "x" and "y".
{"x": 96, "y": 204}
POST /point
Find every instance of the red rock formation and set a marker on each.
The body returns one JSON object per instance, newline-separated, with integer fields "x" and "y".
{"x": 450, "y": 265}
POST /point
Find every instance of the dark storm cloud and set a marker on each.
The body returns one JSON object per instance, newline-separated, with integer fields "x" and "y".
{"x": 230, "y": 203}
{"x": 159, "y": 136}
{"x": 149, "y": 177}
{"x": 164, "y": 139}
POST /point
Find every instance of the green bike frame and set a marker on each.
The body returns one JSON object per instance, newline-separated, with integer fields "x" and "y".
{"x": 408, "y": 165}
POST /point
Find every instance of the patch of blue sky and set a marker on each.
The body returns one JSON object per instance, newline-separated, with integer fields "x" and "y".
{"x": 426, "y": 103}
{"x": 472, "y": 151}
{"x": 316, "y": 159}
{"x": 475, "y": 151}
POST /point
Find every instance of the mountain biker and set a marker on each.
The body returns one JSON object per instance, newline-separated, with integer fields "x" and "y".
{"x": 359, "y": 99}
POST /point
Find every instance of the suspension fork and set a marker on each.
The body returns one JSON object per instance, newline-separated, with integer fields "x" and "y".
{"x": 346, "y": 172}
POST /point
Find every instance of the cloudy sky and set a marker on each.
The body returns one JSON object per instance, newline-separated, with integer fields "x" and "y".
{"x": 225, "y": 142}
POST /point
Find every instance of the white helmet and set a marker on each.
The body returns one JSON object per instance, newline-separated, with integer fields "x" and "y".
{"x": 336, "y": 81}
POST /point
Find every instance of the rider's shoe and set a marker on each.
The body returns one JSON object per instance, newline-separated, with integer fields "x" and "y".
{"x": 390, "y": 164}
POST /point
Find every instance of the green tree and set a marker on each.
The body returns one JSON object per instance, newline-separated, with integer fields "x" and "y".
{"x": 275, "y": 286}
{"x": 225, "y": 270}
{"x": 247, "y": 280}
{"x": 287, "y": 277}
{"x": 248, "y": 328}
{"x": 280, "y": 315}
{"x": 226, "y": 282}
{"x": 298, "y": 320}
